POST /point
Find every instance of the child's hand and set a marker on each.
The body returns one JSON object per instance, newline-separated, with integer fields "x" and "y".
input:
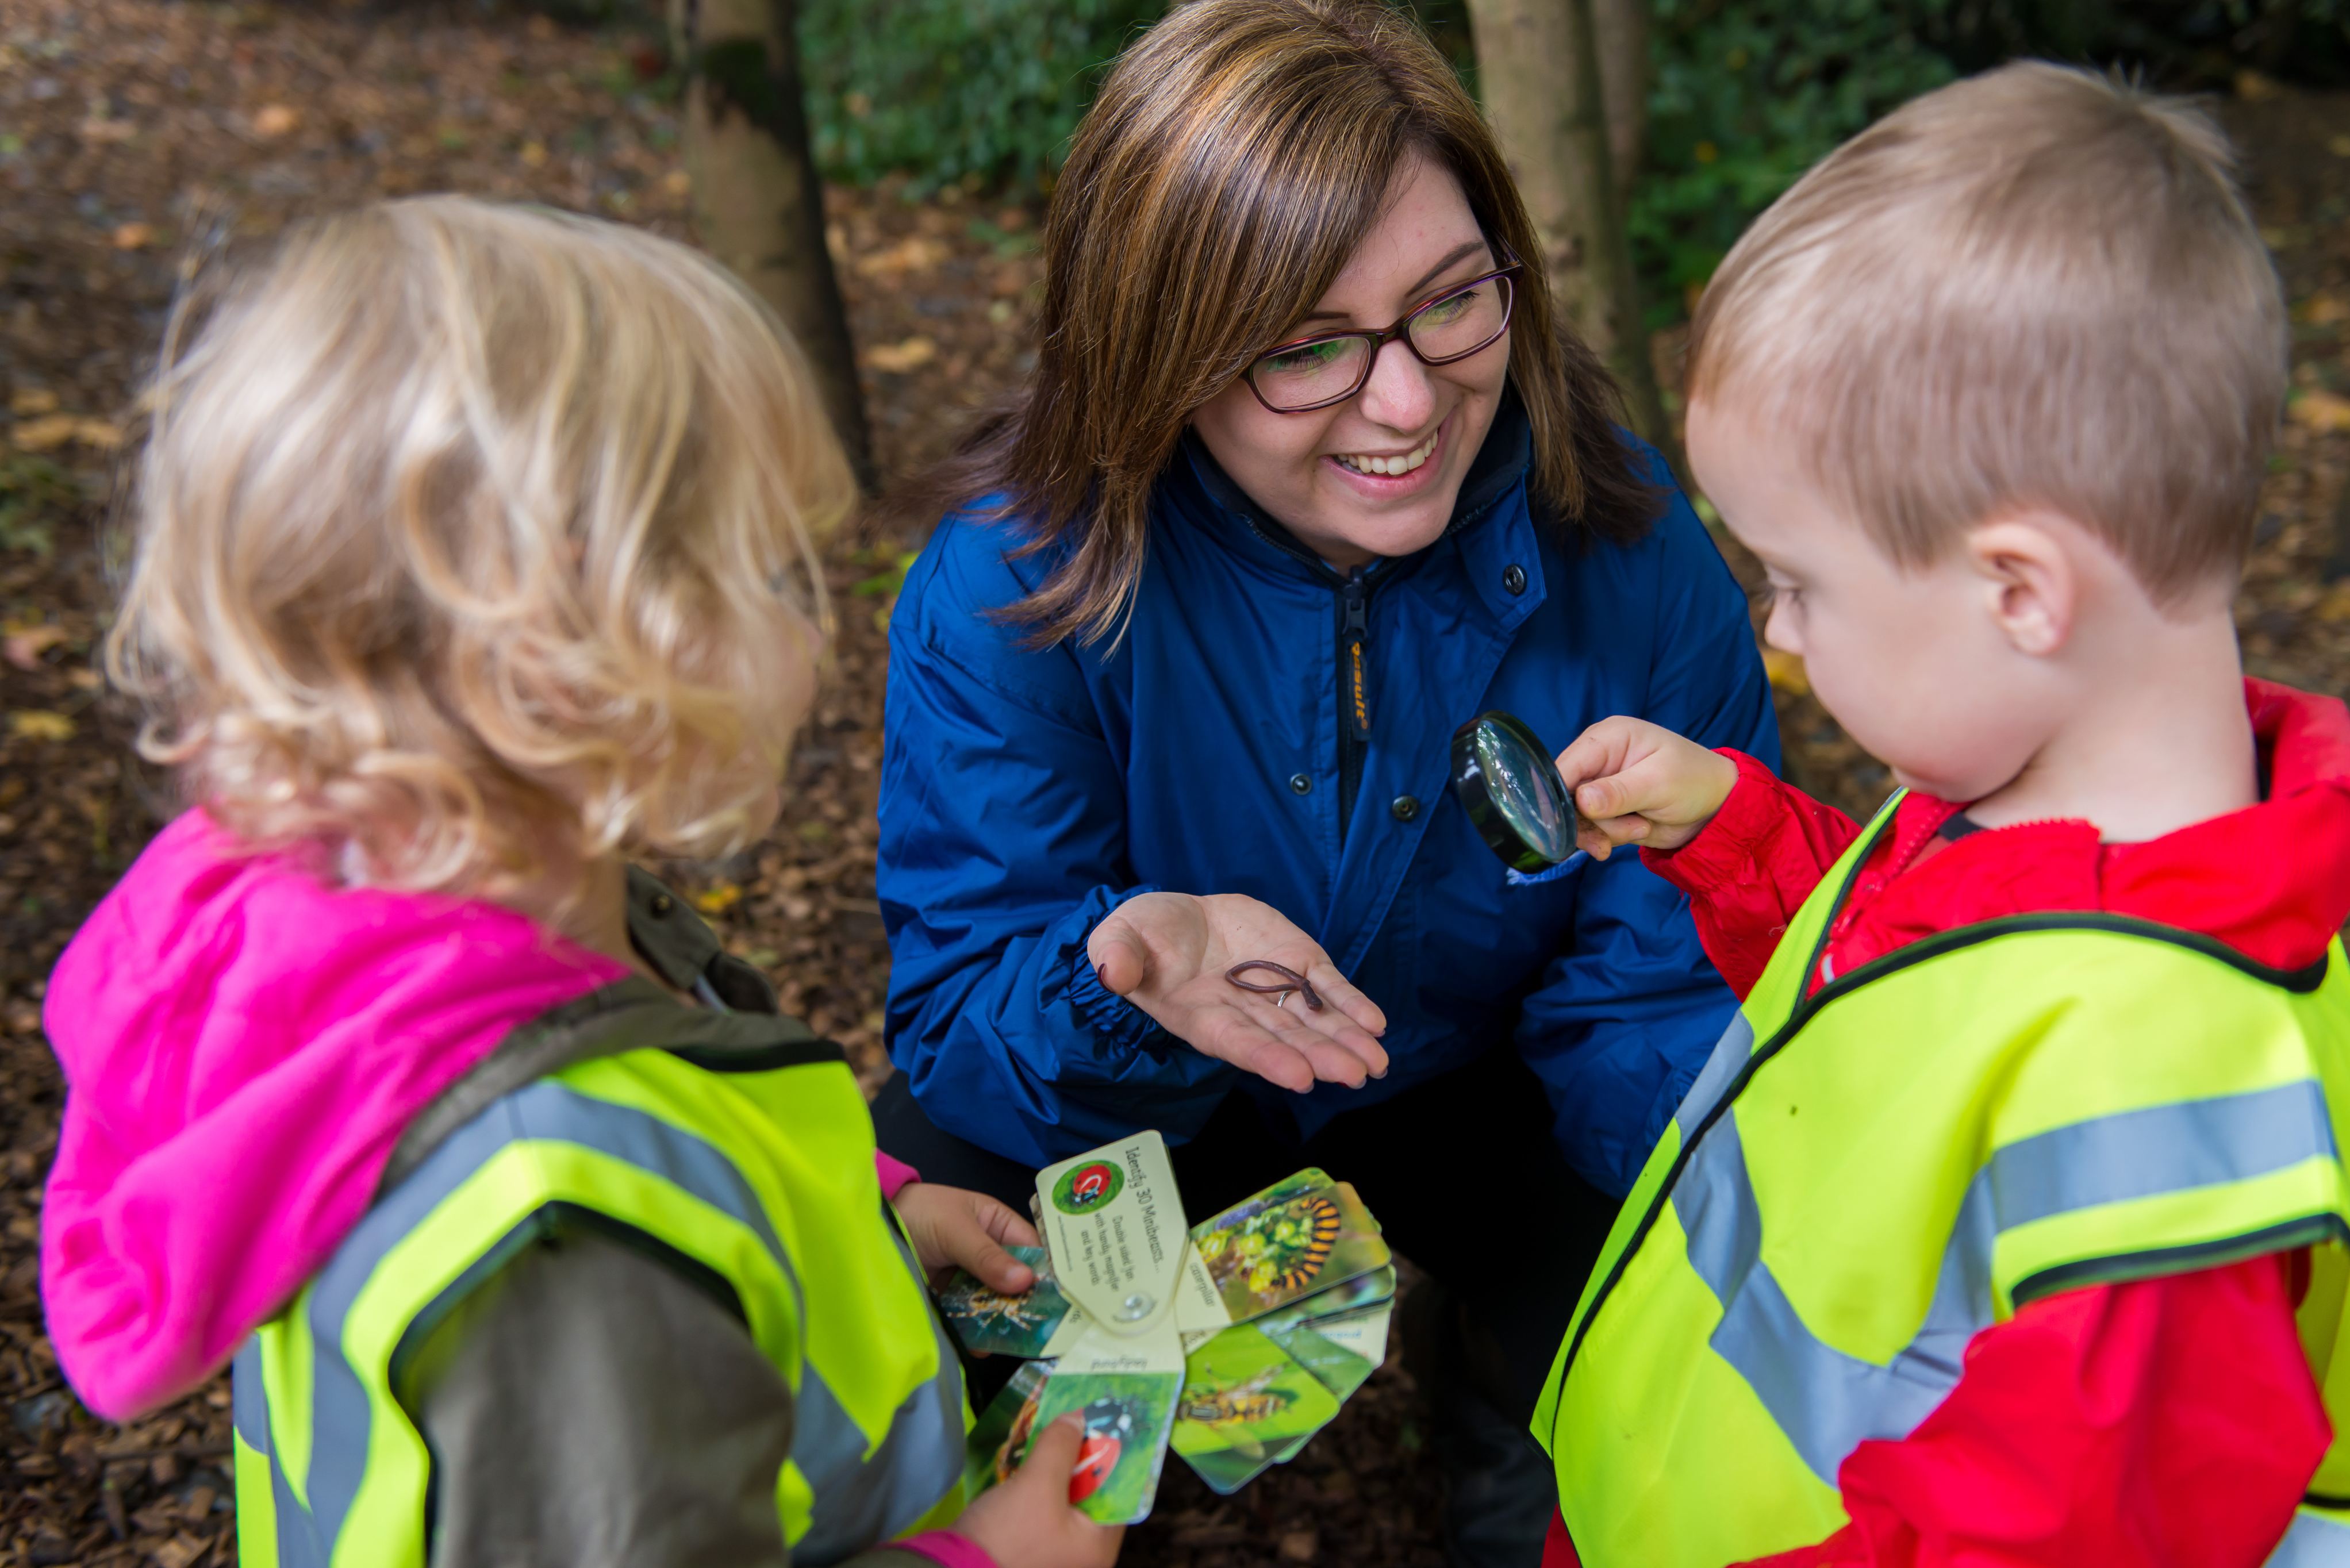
{"x": 952, "y": 1228}
{"x": 1029, "y": 1522}
{"x": 1638, "y": 782}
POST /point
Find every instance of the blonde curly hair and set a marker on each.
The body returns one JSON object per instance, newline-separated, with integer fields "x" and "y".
{"x": 473, "y": 542}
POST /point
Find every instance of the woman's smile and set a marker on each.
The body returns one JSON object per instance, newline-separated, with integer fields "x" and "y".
{"x": 1386, "y": 475}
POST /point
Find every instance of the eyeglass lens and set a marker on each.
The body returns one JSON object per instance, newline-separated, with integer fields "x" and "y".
{"x": 1444, "y": 328}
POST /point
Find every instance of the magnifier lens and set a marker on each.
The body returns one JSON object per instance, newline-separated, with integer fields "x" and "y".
{"x": 1520, "y": 806}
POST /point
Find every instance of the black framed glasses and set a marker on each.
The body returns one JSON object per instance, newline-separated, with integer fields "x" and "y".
{"x": 1331, "y": 367}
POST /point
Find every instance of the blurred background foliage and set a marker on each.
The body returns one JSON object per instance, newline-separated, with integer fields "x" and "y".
{"x": 1744, "y": 94}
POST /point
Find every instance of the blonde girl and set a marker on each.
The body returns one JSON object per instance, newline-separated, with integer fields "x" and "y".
{"x": 472, "y": 558}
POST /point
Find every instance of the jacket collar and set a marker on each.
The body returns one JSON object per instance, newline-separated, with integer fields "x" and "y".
{"x": 1500, "y": 465}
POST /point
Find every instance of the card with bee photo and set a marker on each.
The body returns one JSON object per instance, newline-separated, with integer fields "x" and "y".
{"x": 1287, "y": 1242}
{"x": 993, "y": 1323}
{"x": 1247, "y": 1403}
{"x": 1127, "y": 1415}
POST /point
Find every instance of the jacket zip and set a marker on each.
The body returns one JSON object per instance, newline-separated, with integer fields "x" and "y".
{"x": 1354, "y": 601}
{"x": 1353, "y": 692}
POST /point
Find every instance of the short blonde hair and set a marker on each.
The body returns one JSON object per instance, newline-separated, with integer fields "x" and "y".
{"x": 473, "y": 541}
{"x": 2037, "y": 286}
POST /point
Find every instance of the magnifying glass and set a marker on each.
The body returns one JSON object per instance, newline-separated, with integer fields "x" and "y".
{"x": 1513, "y": 793}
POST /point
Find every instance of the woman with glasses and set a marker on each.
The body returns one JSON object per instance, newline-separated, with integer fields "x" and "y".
{"x": 1308, "y": 475}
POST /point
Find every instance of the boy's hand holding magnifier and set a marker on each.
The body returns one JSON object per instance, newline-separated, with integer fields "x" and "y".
{"x": 1636, "y": 782}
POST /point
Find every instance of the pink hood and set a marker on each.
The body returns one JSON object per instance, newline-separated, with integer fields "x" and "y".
{"x": 243, "y": 1047}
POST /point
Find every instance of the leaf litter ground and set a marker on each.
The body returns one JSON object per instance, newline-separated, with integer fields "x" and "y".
{"x": 132, "y": 129}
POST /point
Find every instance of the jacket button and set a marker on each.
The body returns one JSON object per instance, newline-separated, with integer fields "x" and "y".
{"x": 1300, "y": 784}
{"x": 1403, "y": 808}
{"x": 663, "y": 903}
{"x": 1513, "y": 577}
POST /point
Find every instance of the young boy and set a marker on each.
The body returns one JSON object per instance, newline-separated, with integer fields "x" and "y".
{"x": 1981, "y": 1237}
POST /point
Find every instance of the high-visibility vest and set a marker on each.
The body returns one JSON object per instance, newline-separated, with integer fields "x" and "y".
{"x": 1862, "y": 1179}
{"x": 753, "y": 1168}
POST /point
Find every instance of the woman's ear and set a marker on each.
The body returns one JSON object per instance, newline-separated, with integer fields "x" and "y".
{"x": 2032, "y": 584}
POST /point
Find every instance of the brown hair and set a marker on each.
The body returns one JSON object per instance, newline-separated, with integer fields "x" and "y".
{"x": 2037, "y": 286}
{"x": 472, "y": 541}
{"x": 1235, "y": 157}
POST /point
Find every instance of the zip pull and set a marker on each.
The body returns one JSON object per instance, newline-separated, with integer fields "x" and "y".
{"x": 1356, "y": 630}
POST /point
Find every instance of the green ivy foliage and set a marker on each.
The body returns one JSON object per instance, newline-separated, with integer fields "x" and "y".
{"x": 1745, "y": 97}
{"x": 948, "y": 90}
{"x": 1745, "y": 94}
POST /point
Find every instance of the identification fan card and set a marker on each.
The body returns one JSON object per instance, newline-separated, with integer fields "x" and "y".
{"x": 1114, "y": 1223}
{"x": 1294, "y": 1238}
{"x": 994, "y": 1323}
{"x": 1247, "y": 1403}
{"x": 1126, "y": 1416}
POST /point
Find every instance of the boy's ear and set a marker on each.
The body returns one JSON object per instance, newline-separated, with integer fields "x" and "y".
{"x": 2032, "y": 584}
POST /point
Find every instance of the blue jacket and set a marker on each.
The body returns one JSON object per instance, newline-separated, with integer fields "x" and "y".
{"x": 1026, "y": 793}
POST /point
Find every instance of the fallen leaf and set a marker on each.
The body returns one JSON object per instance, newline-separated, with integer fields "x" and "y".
{"x": 45, "y": 433}
{"x": 180, "y": 1550}
{"x": 917, "y": 253}
{"x": 2335, "y": 607}
{"x": 98, "y": 433}
{"x": 275, "y": 120}
{"x": 2252, "y": 87}
{"x": 717, "y": 898}
{"x": 24, "y": 645}
{"x": 914, "y": 351}
{"x": 134, "y": 236}
{"x": 1786, "y": 673}
{"x": 2321, "y": 410}
{"x": 39, "y": 724}
{"x": 534, "y": 154}
{"x": 678, "y": 182}
{"x": 33, "y": 400}
{"x": 100, "y": 129}
{"x": 1300, "y": 1546}
{"x": 2324, "y": 309}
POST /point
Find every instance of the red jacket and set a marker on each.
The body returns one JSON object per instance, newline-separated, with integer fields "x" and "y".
{"x": 2160, "y": 1422}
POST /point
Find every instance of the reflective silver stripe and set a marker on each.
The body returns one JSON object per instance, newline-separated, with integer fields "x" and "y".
{"x": 828, "y": 1446}
{"x": 1828, "y": 1402}
{"x": 2314, "y": 1541}
{"x": 903, "y": 1481}
{"x": 298, "y": 1545}
{"x": 1713, "y": 1080}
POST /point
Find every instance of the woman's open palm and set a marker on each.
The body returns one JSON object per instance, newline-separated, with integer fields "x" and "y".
{"x": 1168, "y": 954}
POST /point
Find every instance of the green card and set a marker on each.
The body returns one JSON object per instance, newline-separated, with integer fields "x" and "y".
{"x": 1247, "y": 1403}
{"x": 1127, "y": 1415}
{"x": 1289, "y": 1242}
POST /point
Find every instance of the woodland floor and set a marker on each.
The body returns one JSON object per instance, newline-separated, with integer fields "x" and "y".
{"x": 132, "y": 130}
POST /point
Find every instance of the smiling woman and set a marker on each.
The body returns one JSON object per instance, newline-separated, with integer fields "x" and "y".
{"x": 1307, "y": 474}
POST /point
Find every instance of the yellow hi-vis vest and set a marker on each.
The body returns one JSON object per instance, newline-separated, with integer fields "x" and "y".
{"x": 754, "y": 1167}
{"x": 1862, "y": 1179}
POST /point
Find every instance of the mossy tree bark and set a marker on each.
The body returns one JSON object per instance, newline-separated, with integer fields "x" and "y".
{"x": 1539, "y": 65}
{"x": 758, "y": 205}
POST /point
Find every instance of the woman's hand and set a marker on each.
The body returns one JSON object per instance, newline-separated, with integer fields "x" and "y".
{"x": 1638, "y": 782}
{"x": 1029, "y": 1522}
{"x": 954, "y": 1229}
{"x": 1167, "y": 953}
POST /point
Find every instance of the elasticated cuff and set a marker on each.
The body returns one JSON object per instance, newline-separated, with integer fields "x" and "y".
{"x": 949, "y": 1550}
{"x": 1117, "y": 1023}
{"x": 895, "y": 1174}
{"x": 1723, "y": 853}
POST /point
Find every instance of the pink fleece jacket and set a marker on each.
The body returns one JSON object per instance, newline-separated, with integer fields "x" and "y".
{"x": 243, "y": 1047}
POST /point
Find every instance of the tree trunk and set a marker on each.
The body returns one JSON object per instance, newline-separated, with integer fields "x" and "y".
{"x": 1538, "y": 62}
{"x": 1622, "y": 26}
{"x": 757, "y": 204}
